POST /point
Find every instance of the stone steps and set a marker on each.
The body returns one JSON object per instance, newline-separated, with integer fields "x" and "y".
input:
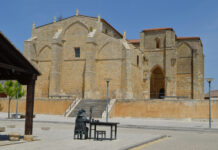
{"x": 98, "y": 107}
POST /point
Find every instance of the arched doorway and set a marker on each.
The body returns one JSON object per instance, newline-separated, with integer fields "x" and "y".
{"x": 157, "y": 83}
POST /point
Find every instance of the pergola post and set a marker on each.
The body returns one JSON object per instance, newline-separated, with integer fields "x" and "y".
{"x": 30, "y": 106}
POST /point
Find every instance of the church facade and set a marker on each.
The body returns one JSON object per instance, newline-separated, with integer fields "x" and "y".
{"x": 77, "y": 55}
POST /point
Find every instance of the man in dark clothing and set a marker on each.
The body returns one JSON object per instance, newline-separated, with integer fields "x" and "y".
{"x": 80, "y": 126}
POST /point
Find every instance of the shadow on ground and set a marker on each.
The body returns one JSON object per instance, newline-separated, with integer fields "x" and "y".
{"x": 4, "y": 137}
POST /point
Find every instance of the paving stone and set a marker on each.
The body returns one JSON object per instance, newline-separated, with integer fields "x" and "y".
{"x": 2, "y": 129}
{"x": 28, "y": 138}
{"x": 14, "y": 136}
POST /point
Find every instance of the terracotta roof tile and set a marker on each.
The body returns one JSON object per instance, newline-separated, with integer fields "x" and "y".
{"x": 134, "y": 41}
{"x": 157, "y": 29}
{"x": 187, "y": 38}
{"x": 213, "y": 93}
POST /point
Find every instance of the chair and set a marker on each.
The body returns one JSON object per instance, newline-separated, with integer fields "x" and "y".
{"x": 102, "y": 133}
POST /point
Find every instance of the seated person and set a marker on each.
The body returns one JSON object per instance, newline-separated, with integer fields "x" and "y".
{"x": 81, "y": 123}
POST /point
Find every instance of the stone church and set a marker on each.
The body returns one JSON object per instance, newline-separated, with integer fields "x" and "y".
{"x": 76, "y": 56}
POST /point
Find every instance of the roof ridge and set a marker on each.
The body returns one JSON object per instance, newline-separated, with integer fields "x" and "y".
{"x": 64, "y": 19}
{"x": 188, "y": 37}
{"x": 102, "y": 19}
{"x": 156, "y": 29}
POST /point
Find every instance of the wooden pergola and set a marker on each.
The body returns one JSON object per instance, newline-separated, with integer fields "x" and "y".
{"x": 14, "y": 66}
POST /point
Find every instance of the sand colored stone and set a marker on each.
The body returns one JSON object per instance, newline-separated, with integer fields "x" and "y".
{"x": 14, "y": 136}
{"x": 158, "y": 61}
{"x": 28, "y": 137}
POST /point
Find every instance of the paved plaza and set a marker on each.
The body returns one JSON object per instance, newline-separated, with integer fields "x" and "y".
{"x": 56, "y": 133}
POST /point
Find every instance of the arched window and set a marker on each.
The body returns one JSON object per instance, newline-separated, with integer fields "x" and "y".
{"x": 157, "y": 43}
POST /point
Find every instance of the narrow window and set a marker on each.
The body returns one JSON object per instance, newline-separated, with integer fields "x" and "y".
{"x": 77, "y": 52}
{"x": 144, "y": 59}
{"x": 157, "y": 43}
{"x": 106, "y": 31}
{"x": 137, "y": 60}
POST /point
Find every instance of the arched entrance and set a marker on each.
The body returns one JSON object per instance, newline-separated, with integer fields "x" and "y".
{"x": 157, "y": 83}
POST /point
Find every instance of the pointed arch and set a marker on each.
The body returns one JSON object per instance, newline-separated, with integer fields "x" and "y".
{"x": 184, "y": 43}
{"x": 184, "y": 58}
{"x": 34, "y": 51}
{"x": 108, "y": 41}
{"x": 184, "y": 50}
{"x": 155, "y": 67}
{"x": 157, "y": 83}
{"x": 44, "y": 53}
{"x": 43, "y": 48}
{"x": 73, "y": 23}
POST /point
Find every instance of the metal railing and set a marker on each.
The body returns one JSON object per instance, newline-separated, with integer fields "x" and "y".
{"x": 72, "y": 106}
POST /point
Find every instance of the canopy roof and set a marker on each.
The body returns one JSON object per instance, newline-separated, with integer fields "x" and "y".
{"x": 13, "y": 65}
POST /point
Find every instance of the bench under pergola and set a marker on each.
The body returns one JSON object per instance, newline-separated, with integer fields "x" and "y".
{"x": 14, "y": 66}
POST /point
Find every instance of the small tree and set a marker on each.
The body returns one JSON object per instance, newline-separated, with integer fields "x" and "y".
{"x": 12, "y": 90}
{"x": 1, "y": 92}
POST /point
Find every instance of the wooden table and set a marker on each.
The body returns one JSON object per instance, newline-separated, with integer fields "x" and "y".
{"x": 112, "y": 125}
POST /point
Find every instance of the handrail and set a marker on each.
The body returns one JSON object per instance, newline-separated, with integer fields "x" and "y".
{"x": 71, "y": 107}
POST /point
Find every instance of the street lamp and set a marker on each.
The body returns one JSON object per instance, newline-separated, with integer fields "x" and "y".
{"x": 209, "y": 80}
{"x": 107, "y": 81}
{"x": 17, "y": 100}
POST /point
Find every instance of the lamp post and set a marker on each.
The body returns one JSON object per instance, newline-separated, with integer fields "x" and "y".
{"x": 209, "y": 80}
{"x": 17, "y": 101}
{"x": 107, "y": 99}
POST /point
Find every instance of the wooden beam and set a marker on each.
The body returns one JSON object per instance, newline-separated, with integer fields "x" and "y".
{"x": 30, "y": 106}
{"x": 13, "y": 68}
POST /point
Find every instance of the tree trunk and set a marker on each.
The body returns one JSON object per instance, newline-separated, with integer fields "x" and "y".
{"x": 9, "y": 106}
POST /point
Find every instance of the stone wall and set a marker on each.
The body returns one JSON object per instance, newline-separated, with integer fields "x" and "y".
{"x": 164, "y": 109}
{"x": 180, "y": 59}
{"x": 104, "y": 54}
{"x": 41, "y": 106}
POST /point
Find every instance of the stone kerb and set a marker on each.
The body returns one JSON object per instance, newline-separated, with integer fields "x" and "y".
{"x": 14, "y": 136}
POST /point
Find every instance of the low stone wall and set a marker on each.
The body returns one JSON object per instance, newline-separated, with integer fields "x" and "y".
{"x": 41, "y": 106}
{"x": 164, "y": 109}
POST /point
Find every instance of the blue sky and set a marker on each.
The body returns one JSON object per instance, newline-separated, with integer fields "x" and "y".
{"x": 187, "y": 17}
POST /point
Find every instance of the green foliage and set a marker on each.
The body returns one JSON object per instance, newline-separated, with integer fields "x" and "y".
{"x": 1, "y": 88}
{"x": 12, "y": 89}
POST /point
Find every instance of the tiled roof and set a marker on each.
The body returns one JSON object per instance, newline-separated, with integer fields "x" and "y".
{"x": 213, "y": 93}
{"x": 134, "y": 41}
{"x": 188, "y": 38}
{"x": 157, "y": 29}
{"x": 111, "y": 27}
